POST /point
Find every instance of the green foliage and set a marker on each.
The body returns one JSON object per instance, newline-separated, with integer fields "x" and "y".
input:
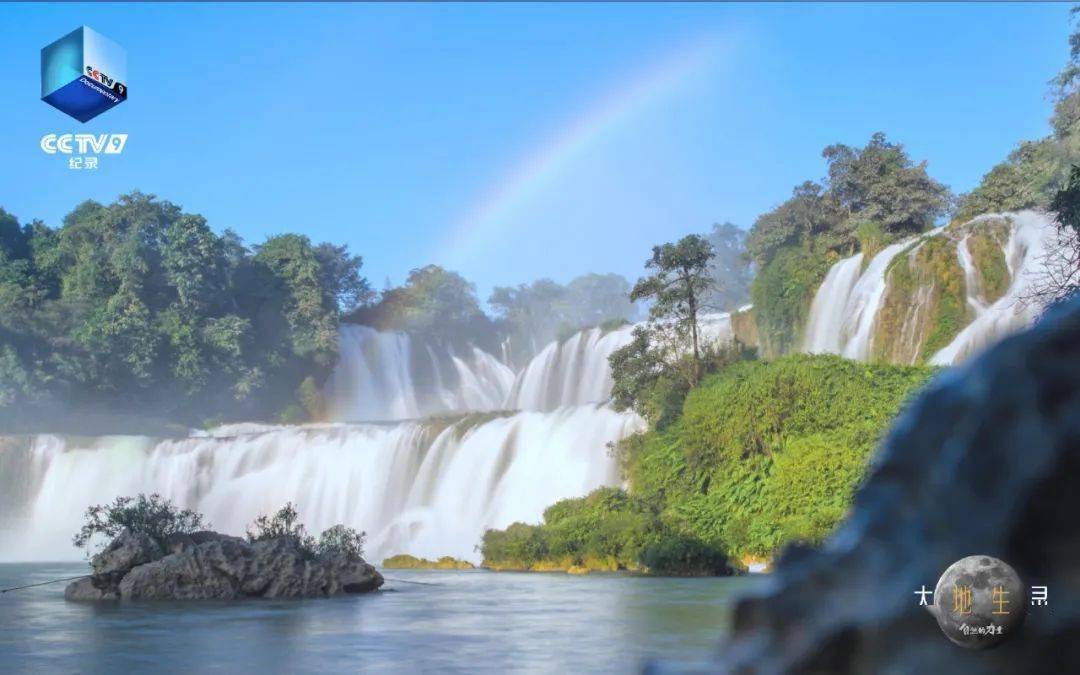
{"x": 341, "y": 540}
{"x": 877, "y": 184}
{"x": 404, "y": 561}
{"x": 764, "y": 453}
{"x": 284, "y": 523}
{"x": 949, "y": 313}
{"x": 139, "y": 307}
{"x": 782, "y": 293}
{"x": 605, "y": 530}
{"x": 880, "y": 184}
{"x": 988, "y": 256}
{"x": 434, "y": 302}
{"x": 154, "y": 516}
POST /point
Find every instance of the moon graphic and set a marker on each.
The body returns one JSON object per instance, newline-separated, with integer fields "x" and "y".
{"x": 979, "y": 601}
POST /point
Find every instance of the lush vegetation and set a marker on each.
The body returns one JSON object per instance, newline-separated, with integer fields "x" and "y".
{"x": 138, "y": 307}
{"x": 404, "y": 561}
{"x": 763, "y": 453}
{"x": 870, "y": 197}
{"x": 667, "y": 356}
{"x": 608, "y": 530}
{"x": 160, "y": 519}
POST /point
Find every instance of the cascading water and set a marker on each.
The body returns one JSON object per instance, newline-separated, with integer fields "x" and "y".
{"x": 847, "y": 306}
{"x": 570, "y": 372}
{"x": 428, "y": 487}
{"x": 575, "y": 371}
{"x": 425, "y": 488}
{"x": 823, "y": 331}
{"x": 393, "y": 376}
{"x": 1026, "y": 258}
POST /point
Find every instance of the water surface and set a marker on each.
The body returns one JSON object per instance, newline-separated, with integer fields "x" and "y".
{"x": 457, "y": 621}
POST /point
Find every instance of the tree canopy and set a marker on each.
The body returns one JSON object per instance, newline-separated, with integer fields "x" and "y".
{"x": 137, "y": 307}
{"x": 874, "y": 192}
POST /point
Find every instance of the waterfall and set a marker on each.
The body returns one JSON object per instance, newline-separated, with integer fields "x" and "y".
{"x": 418, "y": 484}
{"x": 827, "y": 311}
{"x": 570, "y": 372}
{"x": 394, "y": 376}
{"x": 575, "y": 371}
{"x": 427, "y": 488}
{"x": 846, "y": 308}
{"x": 1026, "y": 258}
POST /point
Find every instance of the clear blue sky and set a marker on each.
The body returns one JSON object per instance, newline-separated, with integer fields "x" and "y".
{"x": 511, "y": 142}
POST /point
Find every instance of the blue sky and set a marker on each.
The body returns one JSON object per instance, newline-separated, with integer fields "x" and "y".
{"x": 510, "y": 142}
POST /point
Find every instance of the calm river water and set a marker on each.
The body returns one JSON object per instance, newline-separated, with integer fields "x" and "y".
{"x": 457, "y": 622}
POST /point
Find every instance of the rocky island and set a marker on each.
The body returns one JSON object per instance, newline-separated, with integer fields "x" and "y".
{"x": 160, "y": 552}
{"x": 208, "y": 565}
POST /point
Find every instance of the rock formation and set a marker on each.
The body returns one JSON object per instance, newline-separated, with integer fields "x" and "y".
{"x": 208, "y": 565}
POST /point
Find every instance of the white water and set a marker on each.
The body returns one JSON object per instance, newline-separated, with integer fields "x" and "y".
{"x": 425, "y": 487}
{"x": 575, "y": 371}
{"x": 823, "y": 331}
{"x": 1025, "y": 256}
{"x": 846, "y": 307}
{"x": 429, "y": 490}
{"x": 570, "y": 372}
{"x": 392, "y": 376}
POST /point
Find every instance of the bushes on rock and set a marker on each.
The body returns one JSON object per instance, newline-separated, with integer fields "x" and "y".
{"x": 341, "y": 539}
{"x": 338, "y": 539}
{"x": 152, "y": 515}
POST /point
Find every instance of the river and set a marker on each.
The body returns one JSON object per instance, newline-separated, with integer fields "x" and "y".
{"x": 456, "y": 621}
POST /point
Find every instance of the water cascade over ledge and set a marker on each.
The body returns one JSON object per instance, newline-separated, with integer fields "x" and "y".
{"x": 423, "y": 456}
{"x": 847, "y": 311}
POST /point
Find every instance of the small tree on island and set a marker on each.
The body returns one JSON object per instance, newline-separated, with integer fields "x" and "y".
{"x": 286, "y": 523}
{"x": 154, "y": 516}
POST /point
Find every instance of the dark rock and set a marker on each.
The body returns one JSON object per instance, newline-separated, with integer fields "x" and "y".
{"x": 208, "y": 565}
{"x": 175, "y": 543}
{"x": 121, "y": 555}
{"x": 84, "y": 589}
{"x": 985, "y": 462}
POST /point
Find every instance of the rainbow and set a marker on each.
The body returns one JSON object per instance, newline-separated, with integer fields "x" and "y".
{"x": 494, "y": 211}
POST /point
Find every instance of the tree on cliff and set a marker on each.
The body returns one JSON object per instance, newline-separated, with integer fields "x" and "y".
{"x": 677, "y": 286}
{"x": 1062, "y": 276}
{"x": 665, "y": 358}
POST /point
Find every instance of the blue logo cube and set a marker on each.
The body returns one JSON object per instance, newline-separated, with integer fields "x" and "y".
{"x": 83, "y": 74}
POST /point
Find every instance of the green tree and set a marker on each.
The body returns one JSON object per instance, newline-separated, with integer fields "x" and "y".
{"x": 139, "y": 307}
{"x": 679, "y": 281}
{"x": 309, "y": 308}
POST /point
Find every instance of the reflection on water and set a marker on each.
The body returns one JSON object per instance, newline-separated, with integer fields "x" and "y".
{"x": 467, "y": 621}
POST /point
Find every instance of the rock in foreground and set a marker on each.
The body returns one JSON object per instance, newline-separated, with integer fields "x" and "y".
{"x": 208, "y": 565}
